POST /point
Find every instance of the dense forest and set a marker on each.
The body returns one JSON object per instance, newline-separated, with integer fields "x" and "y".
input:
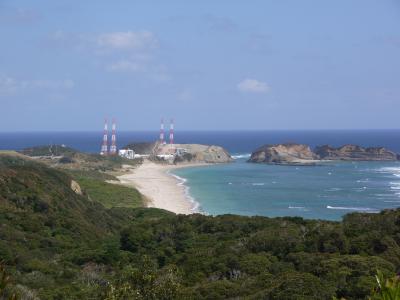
{"x": 56, "y": 243}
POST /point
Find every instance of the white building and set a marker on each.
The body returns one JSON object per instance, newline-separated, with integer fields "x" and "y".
{"x": 127, "y": 153}
{"x": 166, "y": 156}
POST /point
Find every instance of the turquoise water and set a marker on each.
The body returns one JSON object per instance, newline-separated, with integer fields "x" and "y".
{"x": 327, "y": 191}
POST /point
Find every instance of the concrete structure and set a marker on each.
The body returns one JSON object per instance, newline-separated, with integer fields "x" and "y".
{"x": 166, "y": 156}
{"x": 127, "y": 153}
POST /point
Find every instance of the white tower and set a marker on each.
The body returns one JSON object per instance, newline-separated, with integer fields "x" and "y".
{"x": 104, "y": 147}
{"x": 162, "y": 133}
{"x": 113, "y": 148}
{"x": 171, "y": 132}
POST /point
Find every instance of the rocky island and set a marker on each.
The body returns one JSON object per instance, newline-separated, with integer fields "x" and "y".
{"x": 181, "y": 153}
{"x": 287, "y": 154}
{"x": 355, "y": 152}
{"x": 300, "y": 154}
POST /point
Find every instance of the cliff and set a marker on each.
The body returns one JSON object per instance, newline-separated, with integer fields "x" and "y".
{"x": 292, "y": 154}
{"x": 355, "y": 153}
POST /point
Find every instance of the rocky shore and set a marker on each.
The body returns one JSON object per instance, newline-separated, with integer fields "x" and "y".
{"x": 300, "y": 154}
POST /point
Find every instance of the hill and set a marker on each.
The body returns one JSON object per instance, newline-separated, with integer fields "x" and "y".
{"x": 68, "y": 158}
{"x": 143, "y": 148}
{"x": 58, "y": 243}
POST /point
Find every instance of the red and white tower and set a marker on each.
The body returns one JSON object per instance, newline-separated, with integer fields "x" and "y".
{"x": 104, "y": 147}
{"x": 162, "y": 132}
{"x": 171, "y": 132}
{"x": 113, "y": 147}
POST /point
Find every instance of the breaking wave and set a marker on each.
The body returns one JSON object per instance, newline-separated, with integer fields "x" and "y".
{"x": 195, "y": 206}
{"x": 301, "y": 208}
{"x": 334, "y": 189}
{"x": 365, "y": 209}
{"x": 238, "y": 156}
{"x": 395, "y": 171}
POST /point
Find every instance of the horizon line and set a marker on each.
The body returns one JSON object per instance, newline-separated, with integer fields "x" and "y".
{"x": 203, "y": 130}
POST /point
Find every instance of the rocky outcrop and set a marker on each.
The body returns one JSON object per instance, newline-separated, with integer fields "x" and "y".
{"x": 298, "y": 154}
{"x": 194, "y": 153}
{"x": 209, "y": 154}
{"x": 355, "y": 153}
{"x": 76, "y": 187}
{"x": 288, "y": 154}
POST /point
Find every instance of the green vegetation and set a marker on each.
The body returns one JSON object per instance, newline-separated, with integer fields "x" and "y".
{"x": 49, "y": 150}
{"x": 387, "y": 289}
{"x": 71, "y": 159}
{"x": 57, "y": 244}
{"x": 108, "y": 194}
{"x": 5, "y": 283}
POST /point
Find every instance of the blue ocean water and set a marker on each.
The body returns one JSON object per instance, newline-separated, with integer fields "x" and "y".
{"x": 327, "y": 191}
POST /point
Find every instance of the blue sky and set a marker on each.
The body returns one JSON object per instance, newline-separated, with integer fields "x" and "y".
{"x": 65, "y": 65}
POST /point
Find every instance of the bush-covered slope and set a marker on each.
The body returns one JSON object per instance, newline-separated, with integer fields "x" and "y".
{"x": 46, "y": 228}
{"x": 60, "y": 245}
{"x": 71, "y": 159}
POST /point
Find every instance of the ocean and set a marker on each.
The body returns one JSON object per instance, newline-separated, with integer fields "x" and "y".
{"x": 327, "y": 191}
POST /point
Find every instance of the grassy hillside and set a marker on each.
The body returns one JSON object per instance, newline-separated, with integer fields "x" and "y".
{"x": 108, "y": 194}
{"x": 57, "y": 244}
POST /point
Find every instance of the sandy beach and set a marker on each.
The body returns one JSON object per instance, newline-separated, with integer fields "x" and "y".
{"x": 160, "y": 188}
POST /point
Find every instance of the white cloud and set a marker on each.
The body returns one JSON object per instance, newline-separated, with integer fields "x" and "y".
{"x": 253, "y": 86}
{"x": 9, "y": 85}
{"x": 121, "y": 51}
{"x": 125, "y": 66}
{"x": 129, "y": 40}
{"x": 18, "y": 16}
{"x": 49, "y": 84}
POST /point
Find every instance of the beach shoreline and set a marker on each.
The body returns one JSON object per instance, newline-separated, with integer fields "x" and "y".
{"x": 163, "y": 189}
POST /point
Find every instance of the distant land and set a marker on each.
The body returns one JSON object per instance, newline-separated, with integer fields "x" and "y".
{"x": 300, "y": 154}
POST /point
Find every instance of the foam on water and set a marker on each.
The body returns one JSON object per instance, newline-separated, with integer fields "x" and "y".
{"x": 362, "y": 209}
{"x": 238, "y": 156}
{"x": 334, "y": 189}
{"x": 182, "y": 182}
{"x": 302, "y": 208}
{"x": 395, "y": 171}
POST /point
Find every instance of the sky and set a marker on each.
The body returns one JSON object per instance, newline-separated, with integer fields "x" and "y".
{"x": 211, "y": 65}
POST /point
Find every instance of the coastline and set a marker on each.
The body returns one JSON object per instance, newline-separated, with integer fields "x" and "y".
{"x": 163, "y": 189}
